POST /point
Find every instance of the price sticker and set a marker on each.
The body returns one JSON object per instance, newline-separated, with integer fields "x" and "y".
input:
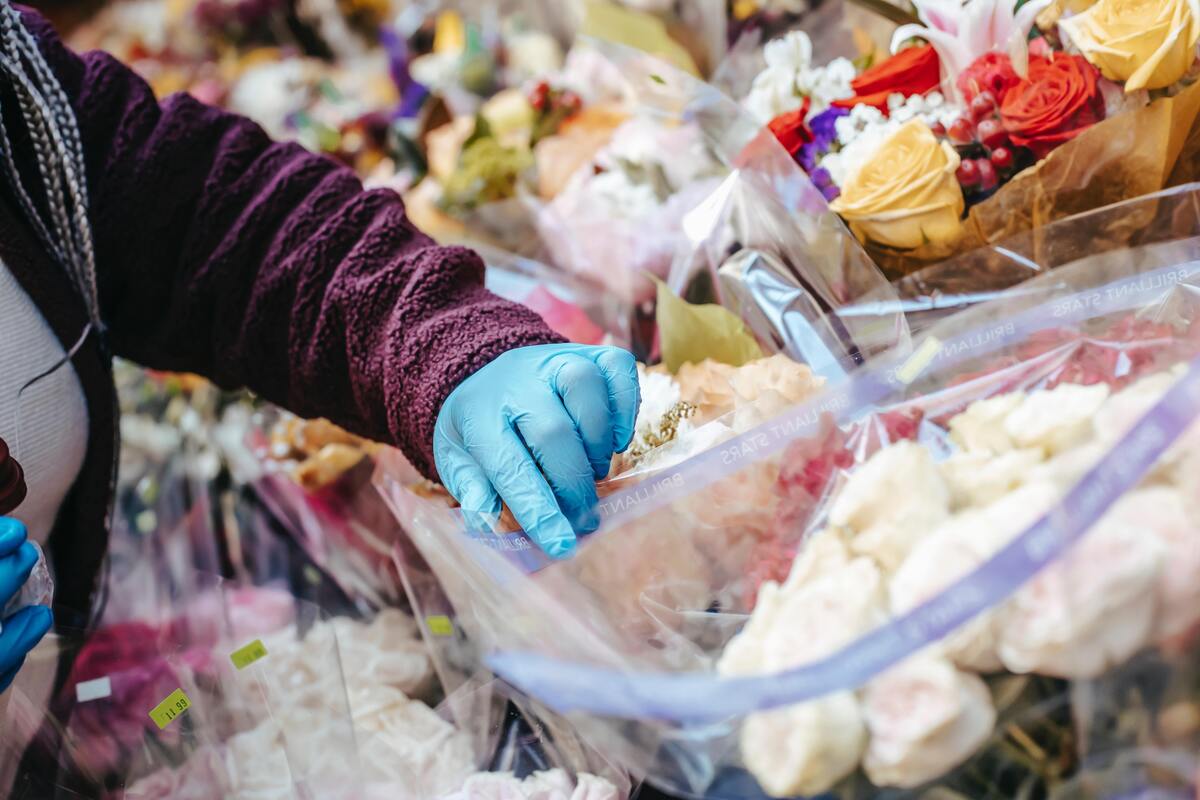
{"x": 440, "y": 625}
{"x": 919, "y": 360}
{"x": 166, "y": 712}
{"x": 98, "y": 689}
{"x": 245, "y": 656}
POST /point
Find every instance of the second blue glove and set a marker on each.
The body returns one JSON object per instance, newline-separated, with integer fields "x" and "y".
{"x": 24, "y": 629}
{"x": 536, "y": 428}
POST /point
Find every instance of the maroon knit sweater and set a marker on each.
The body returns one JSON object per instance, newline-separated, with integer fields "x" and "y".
{"x": 254, "y": 264}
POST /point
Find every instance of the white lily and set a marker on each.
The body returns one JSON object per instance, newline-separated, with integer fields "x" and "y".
{"x": 961, "y": 33}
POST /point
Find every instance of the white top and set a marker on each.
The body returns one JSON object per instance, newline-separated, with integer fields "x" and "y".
{"x": 47, "y": 428}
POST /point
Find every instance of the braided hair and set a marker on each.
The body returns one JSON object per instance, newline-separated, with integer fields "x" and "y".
{"x": 47, "y": 116}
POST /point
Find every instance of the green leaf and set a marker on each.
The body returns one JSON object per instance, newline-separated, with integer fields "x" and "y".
{"x": 694, "y": 333}
{"x": 482, "y": 130}
{"x": 637, "y": 29}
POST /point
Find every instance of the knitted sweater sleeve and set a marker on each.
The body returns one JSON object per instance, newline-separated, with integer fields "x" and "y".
{"x": 259, "y": 264}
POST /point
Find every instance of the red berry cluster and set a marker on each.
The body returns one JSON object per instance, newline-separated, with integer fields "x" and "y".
{"x": 545, "y": 98}
{"x": 987, "y": 154}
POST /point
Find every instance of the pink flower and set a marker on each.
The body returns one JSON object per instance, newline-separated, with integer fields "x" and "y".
{"x": 963, "y": 33}
{"x": 232, "y": 615}
{"x": 106, "y": 731}
{"x": 566, "y": 319}
{"x": 991, "y": 72}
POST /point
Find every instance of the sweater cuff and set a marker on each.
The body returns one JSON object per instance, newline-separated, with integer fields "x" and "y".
{"x": 441, "y": 353}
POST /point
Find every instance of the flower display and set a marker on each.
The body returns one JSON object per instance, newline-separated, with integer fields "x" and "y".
{"x": 902, "y": 524}
{"x": 1002, "y": 84}
{"x": 763, "y": 519}
{"x": 1147, "y": 44}
{"x": 906, "y": 194}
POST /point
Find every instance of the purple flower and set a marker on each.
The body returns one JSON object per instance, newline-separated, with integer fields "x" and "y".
{"x": 412, "y": 94}
{"x": 824, "y": 131}
{"x": 824, "y": 126}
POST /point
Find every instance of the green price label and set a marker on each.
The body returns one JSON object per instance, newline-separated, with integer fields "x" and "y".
{"x": 169, "y": 709}
{"x": 440, "y": 625}
{"x": 245, "y": 656}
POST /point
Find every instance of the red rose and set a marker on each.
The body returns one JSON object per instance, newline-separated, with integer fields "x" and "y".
{"x": 991, "y": 72}
{"x": 1058, "y": 100}
{"x": 914, "y": 70}
{"x": 791, "y": 129}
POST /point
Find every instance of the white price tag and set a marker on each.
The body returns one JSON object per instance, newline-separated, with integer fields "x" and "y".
{"x": 96, "y": 689}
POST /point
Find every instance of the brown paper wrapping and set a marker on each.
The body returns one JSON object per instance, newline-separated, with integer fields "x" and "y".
{"x": 1152, "y": 229}
{"x": 1129, "y": 155}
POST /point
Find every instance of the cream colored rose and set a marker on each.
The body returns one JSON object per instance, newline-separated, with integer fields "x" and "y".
{"x": 1056, "y": 419}
{"x": 891, "y": 502}
{"x": 1148, "y": 44}
{"x": 906, "y": 193}
{"x": 808, "y": 747}
{"x": 924, "y": 717}
{"x": 1092, "y": 608}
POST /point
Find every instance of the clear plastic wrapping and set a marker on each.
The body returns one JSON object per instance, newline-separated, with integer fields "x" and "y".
{"x": 1152, "y": 229}
{"x": 663, "y": 176}
{"x": 38, "y": 589}
{"x": 964, "y": 567}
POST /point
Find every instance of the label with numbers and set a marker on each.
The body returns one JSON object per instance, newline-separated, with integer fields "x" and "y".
{"x": 169, "y": 709}
{"x": 245, "y": 656}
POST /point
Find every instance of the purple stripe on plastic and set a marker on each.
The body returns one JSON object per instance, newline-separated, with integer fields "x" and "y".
{"x": 516, "y": 546}
{"x": 702, "y": 697}
{"x": 850, "y": 397}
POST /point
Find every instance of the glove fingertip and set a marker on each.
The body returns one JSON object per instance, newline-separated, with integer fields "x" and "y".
{"x": 40, "y": 621}
{"x": 27, "y": 554}
{"x": 12, "y": 534}
{"x": 560, "y": 548}
{"x": 623, "y": 434}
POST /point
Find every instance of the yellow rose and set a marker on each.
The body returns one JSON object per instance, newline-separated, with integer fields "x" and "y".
{"x": 906, "y": 194}
{"x": 1052, "y": 13}
{"x": 1148, "y": 44}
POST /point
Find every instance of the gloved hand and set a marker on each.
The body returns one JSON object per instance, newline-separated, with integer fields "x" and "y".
{"x": 537, "y": 427}
{"x": 24, "y": 629}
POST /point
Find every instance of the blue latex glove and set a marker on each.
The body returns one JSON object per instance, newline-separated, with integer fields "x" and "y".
{"x": 24, "y": 629}
{"x": 537, "y": 427}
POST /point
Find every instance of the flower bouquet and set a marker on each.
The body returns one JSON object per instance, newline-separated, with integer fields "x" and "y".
{"x": 336, "y": 711}
{"x": 968, "y": 571}
{"x": 989, "y": 118}
{"x": 563, "y": 166}
{"x": 1147, "y": 229}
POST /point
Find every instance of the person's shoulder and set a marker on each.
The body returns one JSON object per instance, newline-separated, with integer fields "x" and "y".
{"x": 35, "y": 21}
{"x": 42, "y": 29}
